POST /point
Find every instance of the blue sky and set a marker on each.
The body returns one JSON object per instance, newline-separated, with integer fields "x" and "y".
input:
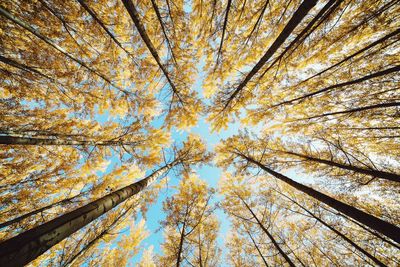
{"x": 208, "y": 173}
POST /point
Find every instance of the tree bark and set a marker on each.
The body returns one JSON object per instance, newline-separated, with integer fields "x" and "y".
{"x": 296, "y": 19}
{"x": 389, "y": 230}
{"x": 327, "y": 10}
{"x": 374, "y": 173}
{"x": 27, "y": 246}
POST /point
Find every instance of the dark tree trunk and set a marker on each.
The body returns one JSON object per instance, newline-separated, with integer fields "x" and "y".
{"x": 228, "y": 7}
{"x": 27, "y": 246}
{"x": 14, "y": 140}
{"x": 353, "y": 110}
{"x": 180, "y": 248}
{"x": 374, "y": 173}
{"x": 379, "y": 225}
{"x": 340, "y": 85}
{"x": 296, "y": 19}
{"x": 130, "y": 7}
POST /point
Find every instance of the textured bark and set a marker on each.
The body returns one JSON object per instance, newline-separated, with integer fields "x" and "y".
{"x": 27, "y": 246}
{"x": 296, "y": 19}
{"x": 374, "y": 173}
{"x": 344, "y": 237}
{"x": 389, "y": 230}
{"x": 274, "y": 242}
{"x": 35, "y": 32}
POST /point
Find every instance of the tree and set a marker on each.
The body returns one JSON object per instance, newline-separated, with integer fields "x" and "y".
{"x": 190, "y": 227}
{"x": 61, "y": 227}
{"x": 238, "y": 149}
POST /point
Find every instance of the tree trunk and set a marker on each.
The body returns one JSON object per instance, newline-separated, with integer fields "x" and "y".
{"x": 157, "y": 10}
{"x": 379, "y": 225}
{"x": 382, "y": 105}
{"x": 276, "y": 245}
{"x": 27, "y": 246}
{"x": 178, "y": 258}
{"x": 374, "y": 173}
{"x": 348, "y": 240}
{"x": 15, "y": 140}
{"x": 130, "y": 7}
{"x": 339, "y": 85}
{"x": 228, "y": 7}
{"x": 297, "y": 17}
{"x": 322, "y": 15}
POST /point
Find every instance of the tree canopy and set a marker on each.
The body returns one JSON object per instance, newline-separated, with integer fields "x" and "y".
{"x": 119, "y": 143}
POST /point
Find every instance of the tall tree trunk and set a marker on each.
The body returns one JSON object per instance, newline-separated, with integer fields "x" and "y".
{"x": 322, "y": 15}
{"x": 274, "y": 242}
{"x": 130, "y": 7}
{"x": 15, "y": 140}
{"x": 50, "y": 42}
{"x": 228, "y": 7}
{"x": 180, "y": 248}
{"x": 296, "y": 19}
{"x": 157, "y": 10}
{"x": 374, "y": 173}
{"x": 353, "y": 110}
{"x": 340, "y": 85}
{"x": 348, "y": 240}
{"x": 27, "y": 246}
{"x": 379, "y": 225}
